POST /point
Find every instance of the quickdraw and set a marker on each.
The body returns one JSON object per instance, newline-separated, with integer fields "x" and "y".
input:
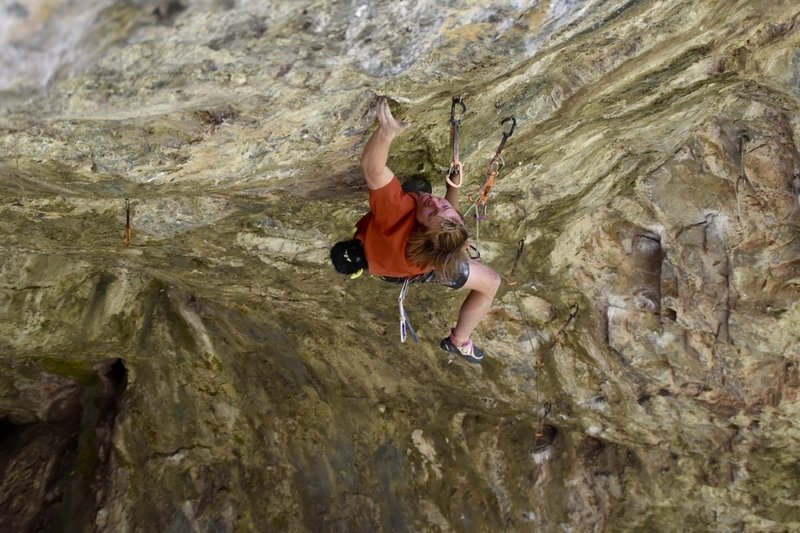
{"x": 573, "y": 312}
{"x": 541, "y": 409}
{"x": 456, "y": 166}
{"x": 513, "y": 272}
{"x": 127, "y": 239}
{"x": 493, "y": 168}
{"x": 547, "y": 408}
{"x": 405, "y": 322}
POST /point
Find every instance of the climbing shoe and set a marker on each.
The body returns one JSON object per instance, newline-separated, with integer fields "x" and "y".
{"x": 469, "y": 351}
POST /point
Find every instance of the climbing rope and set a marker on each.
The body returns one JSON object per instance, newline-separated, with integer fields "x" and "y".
{"x": 537, "y": 363}
{"x": 573, "y": 312}
{"x": 456, "y": 166}
{"x": 541, "y": 410}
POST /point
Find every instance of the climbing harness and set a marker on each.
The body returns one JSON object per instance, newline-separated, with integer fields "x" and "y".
{"x": 456, "y": 166}
{"x": 493, "y": 168}
{"x": 405, "y": 323}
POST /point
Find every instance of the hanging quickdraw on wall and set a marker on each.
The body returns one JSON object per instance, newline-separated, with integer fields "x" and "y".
{"x": 128, "y": 238}
{"x": 513, "y": 272}
{"x": 455, "y": 174}
{"x": 493, "y": 168}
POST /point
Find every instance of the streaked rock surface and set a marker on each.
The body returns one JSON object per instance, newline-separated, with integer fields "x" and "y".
{"x": 218, "y": 375}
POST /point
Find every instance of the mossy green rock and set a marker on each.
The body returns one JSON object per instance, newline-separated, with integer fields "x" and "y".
{"x": 218, "y": 375}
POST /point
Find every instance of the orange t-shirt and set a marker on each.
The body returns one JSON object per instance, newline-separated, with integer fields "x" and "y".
{"x": 385, "y": 231}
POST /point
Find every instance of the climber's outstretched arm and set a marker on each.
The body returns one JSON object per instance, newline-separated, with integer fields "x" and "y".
{"x": 452, "y": 196}
{"x": 376, "y": 151}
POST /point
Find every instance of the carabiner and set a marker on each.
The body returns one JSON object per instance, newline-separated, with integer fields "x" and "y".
{"x": 456, "y": 169}
{"x": 456, "y": 101}
{"x": 506, "y": 134}
{"x": 513, "y": 125}
{"x": 405, "y": 322}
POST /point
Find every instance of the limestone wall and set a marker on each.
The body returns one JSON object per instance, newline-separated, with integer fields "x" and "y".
{"x": 218, "y": 375}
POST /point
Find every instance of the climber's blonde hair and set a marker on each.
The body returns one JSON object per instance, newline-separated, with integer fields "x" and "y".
{"x": 441, "y": 247}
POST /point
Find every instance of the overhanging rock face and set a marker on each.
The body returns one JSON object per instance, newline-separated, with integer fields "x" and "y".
{"x": 217, "y": 374}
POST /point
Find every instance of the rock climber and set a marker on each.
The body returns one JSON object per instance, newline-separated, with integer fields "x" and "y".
{"x": 416, "y": 236}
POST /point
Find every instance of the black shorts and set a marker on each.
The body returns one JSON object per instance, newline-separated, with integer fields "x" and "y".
{"x": 431, "y": 277}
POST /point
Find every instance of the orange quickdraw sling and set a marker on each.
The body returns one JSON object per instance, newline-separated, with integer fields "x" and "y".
{"x": 493, "y": 168}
